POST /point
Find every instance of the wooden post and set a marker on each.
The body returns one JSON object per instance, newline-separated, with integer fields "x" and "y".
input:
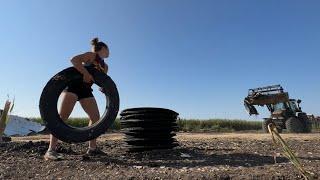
{"x": 4, "y": 118}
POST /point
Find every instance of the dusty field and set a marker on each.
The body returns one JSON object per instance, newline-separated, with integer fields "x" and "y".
{"x": 199, "y": 156}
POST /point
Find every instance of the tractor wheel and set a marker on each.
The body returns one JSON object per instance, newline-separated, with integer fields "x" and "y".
{"x": 279, "y": 129}
{"x": 308, "y": 126}
{"x": 265, "y": 124}
{"x": 294, "y": 125}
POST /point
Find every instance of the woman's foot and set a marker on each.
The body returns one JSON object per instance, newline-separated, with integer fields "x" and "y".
{"x": 52, "y": 155}
{"x": 95, "y": 151}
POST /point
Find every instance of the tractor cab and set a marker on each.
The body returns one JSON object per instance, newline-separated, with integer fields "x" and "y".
{"x": 279, "y": 110}
{"x": 295, "y": 105}
{"x": 285, "y": 109}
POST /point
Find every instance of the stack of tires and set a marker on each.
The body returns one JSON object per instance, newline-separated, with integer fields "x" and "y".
{"x": 149, "y": 128}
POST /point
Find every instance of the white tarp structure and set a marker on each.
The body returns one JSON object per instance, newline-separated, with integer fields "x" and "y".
{"x": 22, "y": 126}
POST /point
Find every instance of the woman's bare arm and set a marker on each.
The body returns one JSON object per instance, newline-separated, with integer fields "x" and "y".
{"x": 78, "y": 61}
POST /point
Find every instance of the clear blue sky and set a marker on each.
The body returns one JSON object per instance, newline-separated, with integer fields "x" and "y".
{"x": 197, "y": 57}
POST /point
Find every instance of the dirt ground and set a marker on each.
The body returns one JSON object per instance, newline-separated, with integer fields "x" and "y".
{"x": 199, "y": 156}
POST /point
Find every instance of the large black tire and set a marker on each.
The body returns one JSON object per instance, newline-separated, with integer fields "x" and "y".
{"x": 49, "y": 99}
{"x": 149, "y": 110}
{"x": 137, "y": 148}
{"x": 146, "y": 124}
{"x": 307, "y": 126}
{"x": 160, "y": 130}
{"x": 150, "y": 117}
{"x": 294, "y": 125}
{"x": 149, "y": 135}
{"x": 142, "y": 142}
{"x": 306, "y": 122}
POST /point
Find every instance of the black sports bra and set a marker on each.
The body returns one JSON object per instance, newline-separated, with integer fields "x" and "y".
{"x": 98, "y": 63}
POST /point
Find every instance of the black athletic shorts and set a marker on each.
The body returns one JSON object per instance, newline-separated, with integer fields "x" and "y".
{"x": 81, "y": 89}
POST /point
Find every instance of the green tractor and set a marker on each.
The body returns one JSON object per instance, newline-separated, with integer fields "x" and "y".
{"x": 286, "y": 113}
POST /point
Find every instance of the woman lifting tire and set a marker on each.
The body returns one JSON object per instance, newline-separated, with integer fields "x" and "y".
{"x": 74, "y": 84}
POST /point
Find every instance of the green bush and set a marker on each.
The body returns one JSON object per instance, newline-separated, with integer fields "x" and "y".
{"x": 191, "y": 125}
{"x": 81, "y": 122}
{"x": 217, "y": 125}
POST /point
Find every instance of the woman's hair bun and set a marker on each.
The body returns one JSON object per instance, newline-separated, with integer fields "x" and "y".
{"x": 94, "y": 41}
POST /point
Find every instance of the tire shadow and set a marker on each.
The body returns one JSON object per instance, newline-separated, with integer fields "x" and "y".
{"x": 182, "y": 157}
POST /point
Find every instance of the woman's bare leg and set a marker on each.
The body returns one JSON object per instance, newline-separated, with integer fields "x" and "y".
{"x": 67, "y": 105}
{"x": 90, "y": 106}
